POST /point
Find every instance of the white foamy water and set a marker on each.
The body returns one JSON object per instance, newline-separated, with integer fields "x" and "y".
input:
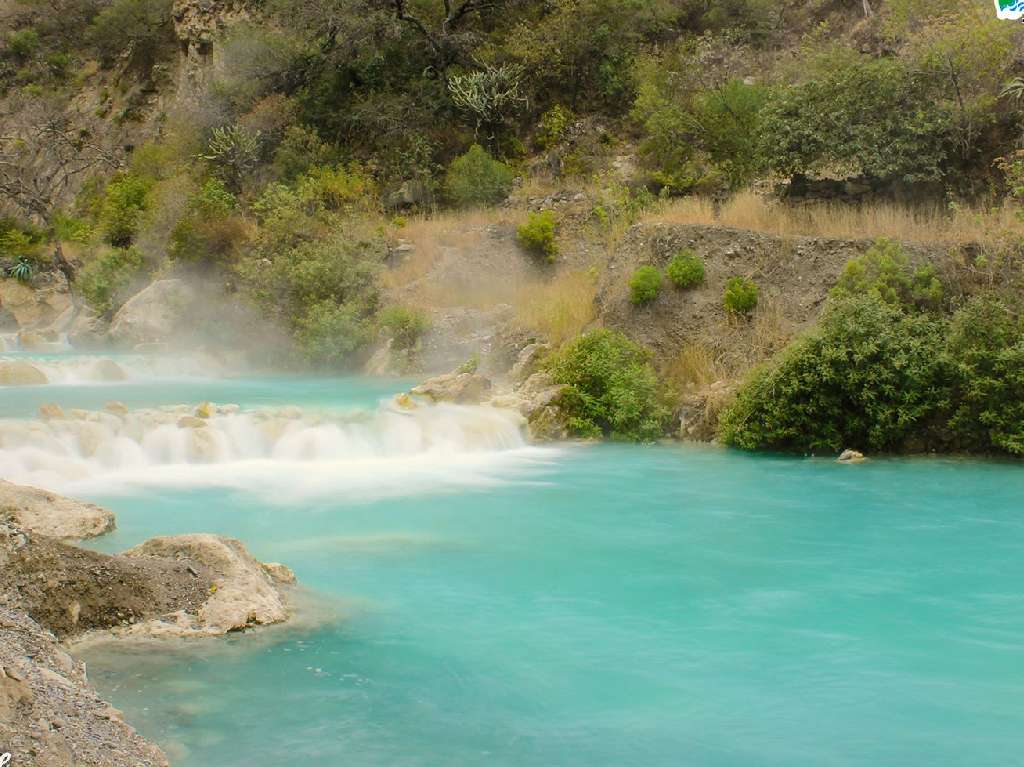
{"x": 85, "y": 370}
{"x": 281, "y": 453}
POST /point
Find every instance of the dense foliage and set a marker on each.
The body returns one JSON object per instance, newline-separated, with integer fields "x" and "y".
{"x": 889, "y": 369}
{"x": 612, "y": 389}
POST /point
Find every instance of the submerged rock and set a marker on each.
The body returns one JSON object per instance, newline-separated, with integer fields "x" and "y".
{"x": 46, "y": 513}
{"x": 19, "y": 373}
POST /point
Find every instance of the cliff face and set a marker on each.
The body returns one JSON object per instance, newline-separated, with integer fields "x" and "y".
{"x": 200, "y": 25}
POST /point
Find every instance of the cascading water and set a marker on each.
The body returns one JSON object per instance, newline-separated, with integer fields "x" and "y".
{"x": 88, "y": 450}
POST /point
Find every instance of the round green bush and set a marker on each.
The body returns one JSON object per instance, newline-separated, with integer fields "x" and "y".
{"x": 476, "y": 178}
{"x": 537, "y": 235}
{"x": 644, "y": 285}
{"x": 740, "y": 295}
{"x": 686, "y": 269}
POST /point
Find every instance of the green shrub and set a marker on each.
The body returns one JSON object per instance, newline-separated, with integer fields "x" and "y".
{"x": 740, "y": 295}
{"x": 869, "y": 377}
{"x": 121, "y": 210}
{"x": 23, "y": 43}
{"x": 107, "y": 277}
{"x": 330, "y": 333}
{"x": 476, "y": 178}
{"x": 884, "y": 270}
{"x": 537, "y": 235}
{"x": 553, "y": 127}
{"x": 210, "y": 230}
{"x": 686, "y": 269}
{"x": 611, "y": 388}
{"x": 644, "y": 285}
{"x": 405, "y": 326}
{"x": 873, "y": 116}
{"x": 985, "y": 349}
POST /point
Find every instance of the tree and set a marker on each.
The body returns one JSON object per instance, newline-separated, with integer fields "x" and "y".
{"x": 446, "y": 39}
{"x": 43, "y": 153}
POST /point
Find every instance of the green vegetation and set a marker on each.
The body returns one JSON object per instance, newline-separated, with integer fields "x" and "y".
{"x": 476, "y": 178}
{"x": 612, "y": 388}
{"x": 686, "y": 269}
{"x": 888, "y": 369}
{"x": 107, "y": 278}
{"x": 22, "y": 270}
{"x": 740, "y": 296}
{"x": 537, "y": 235}
{"x": 404, "y": 325}
{"x": 644, "y": 285}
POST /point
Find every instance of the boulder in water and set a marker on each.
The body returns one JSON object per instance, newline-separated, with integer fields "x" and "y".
{"x": 45, "y": 513}
{"x": 19, "y": 373}
{"x": 108, "y": 370}
{"x": 116, "y": 408}
{"x": 51, "y": 410}
{"x": 461, "y": 388}
{"x": 204, "y": 410}
{"x": 33, "y": 341}
{"x": 191, "y": 422}
{"x": 154, "y": 314}
{"x": 851, "y": 456}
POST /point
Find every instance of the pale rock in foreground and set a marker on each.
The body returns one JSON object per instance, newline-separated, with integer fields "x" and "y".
{"x": 851, "y": 456}
{"x": 245, "y": 592}
{"x": 45, "y": 513}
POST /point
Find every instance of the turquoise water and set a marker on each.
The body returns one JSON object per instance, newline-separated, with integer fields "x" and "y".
{"x": 601, "y": 605}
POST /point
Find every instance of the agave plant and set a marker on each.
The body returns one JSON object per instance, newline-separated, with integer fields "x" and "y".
{"x": 21, "y": 271}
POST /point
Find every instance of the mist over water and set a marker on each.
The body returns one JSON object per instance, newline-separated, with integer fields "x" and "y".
{"x": 469, "y": 599}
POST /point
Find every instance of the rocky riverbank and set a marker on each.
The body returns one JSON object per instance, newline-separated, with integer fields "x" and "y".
{"x": 54, "y": 595}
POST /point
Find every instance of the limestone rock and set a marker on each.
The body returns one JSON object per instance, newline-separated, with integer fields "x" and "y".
{"x": 33, "y": 307}
{"x": 461, "y": 388}
{"x": 527, "y": 362}
{"x": 46, "y": 513}
{"x": 153, "y": 315}
{"x": 51, "y": 411}
{"x": 851, "y": 456}
{"x": 108, "y": 370}
{"x": 244, "y": 593}
{"x": 19, "y": 373}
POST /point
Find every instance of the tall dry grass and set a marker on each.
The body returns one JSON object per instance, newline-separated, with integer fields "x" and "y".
{"x": 431, "y": 234}
{"x": 559, "y": 308}
{"x": 925, "y": 224}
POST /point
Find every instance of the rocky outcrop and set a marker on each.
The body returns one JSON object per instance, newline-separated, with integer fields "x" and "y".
{"x": 153, "y": 315}
{"x": 199, "y": 26}
{"x": 699, "y": 411}
{"x": 851, "y": 456}
{"x": 537, "y": 400}
{"x": 460, "y": 388}
{"x": 50, "y": 715}
{"x": 20, "y": 373}
{"x": 45, "y": 513}
{"x": 179, "y": 586}
{"x": 244, "y": 592}
{"x": 33, "y": 306}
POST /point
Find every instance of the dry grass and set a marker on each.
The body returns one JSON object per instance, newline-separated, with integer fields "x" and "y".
{"x": 559, "y": 308}
{"x": 430, "y": 235}
{"x": 694, "y": 367}
{"x": 747, "y": 210}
